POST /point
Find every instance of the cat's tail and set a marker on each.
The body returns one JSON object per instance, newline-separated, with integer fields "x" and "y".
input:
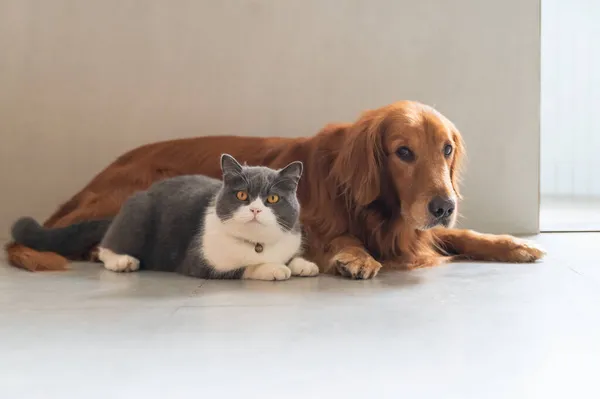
{"x": 70, "y": 241}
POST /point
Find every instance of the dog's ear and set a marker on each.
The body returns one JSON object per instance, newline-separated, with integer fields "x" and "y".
{"x": 357, "y": 167}
{"x": 457, "y": 161}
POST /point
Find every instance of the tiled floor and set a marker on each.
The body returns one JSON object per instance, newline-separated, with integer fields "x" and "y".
{"x": 459, "y": 331}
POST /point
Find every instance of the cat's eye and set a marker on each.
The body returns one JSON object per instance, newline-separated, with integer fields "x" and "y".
{"x": 273, "y": 198}
{"x": 242, "y": 195}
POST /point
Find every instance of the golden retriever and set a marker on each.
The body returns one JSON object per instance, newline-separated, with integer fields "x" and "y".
{"x": 379, "y": 192}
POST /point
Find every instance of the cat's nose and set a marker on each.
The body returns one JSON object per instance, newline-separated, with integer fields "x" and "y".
{"x": 255, "y": 211}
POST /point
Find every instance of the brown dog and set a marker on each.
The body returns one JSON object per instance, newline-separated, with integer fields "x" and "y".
{"x": 380, "y": 191}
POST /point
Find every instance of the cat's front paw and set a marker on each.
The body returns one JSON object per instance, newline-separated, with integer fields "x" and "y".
{"x": 122, "y": 263}
{"x": 268, "y": 271}
{"x": 303, "y": 267}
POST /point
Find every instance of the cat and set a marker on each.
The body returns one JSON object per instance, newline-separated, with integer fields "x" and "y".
{"x": 244, "y": 227}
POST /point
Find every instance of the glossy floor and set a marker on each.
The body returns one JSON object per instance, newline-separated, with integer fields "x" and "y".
{"x": 561, "y": 214}
{"x": 465, "y": 330}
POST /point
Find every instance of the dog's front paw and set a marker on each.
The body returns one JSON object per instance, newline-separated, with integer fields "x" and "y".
{"x": 356, "y": 265}
{"x": 523, "y": 251}
{"x": 302, "y": 267}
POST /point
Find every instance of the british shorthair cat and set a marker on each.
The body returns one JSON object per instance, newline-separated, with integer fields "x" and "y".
{"x": 245, "y": 226}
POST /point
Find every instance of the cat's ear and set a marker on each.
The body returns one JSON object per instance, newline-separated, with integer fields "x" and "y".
{"x": 229, "y": 165}
{"x": 292, "y": 172}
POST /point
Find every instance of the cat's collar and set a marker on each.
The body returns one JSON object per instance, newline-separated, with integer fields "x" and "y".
{"x": 258, "y": 247}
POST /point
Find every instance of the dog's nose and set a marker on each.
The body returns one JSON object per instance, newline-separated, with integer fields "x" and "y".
{"x": 441, "y": 207}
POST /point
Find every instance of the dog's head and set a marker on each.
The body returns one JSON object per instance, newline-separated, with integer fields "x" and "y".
{"x": 405, "y": 155}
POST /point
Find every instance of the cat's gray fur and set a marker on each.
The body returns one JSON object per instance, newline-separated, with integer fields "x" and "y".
{"x": 163, "y": 227}
{"x": 73, "y": 241}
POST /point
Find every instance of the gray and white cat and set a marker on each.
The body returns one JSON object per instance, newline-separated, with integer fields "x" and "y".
{"x": 243, "y": 227}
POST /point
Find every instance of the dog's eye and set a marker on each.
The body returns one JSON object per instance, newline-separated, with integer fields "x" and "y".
{"x": 405, "y": 154}
{"x": 448, "y": 150}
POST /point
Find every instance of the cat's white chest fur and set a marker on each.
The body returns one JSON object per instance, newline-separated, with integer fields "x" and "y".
{"x": 228, "y": 248}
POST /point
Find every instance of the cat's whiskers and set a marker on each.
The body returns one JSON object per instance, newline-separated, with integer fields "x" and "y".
{"x": 284, "y": 225}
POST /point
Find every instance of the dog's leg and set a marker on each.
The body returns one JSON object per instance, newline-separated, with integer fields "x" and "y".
{"x": 350, "y": 259}
{"x": 469, "y": 244}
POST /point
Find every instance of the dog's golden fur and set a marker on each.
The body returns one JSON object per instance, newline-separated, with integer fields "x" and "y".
{"x": 362, "y": 205}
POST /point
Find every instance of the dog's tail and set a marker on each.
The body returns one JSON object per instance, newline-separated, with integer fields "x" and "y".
{"x": 70, "y": 241}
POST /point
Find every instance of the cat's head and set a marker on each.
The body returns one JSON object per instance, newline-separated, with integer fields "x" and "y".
{"x": 258, "y": 199}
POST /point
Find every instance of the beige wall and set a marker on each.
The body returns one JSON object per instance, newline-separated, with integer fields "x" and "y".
{"x": 83, "y": 81}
